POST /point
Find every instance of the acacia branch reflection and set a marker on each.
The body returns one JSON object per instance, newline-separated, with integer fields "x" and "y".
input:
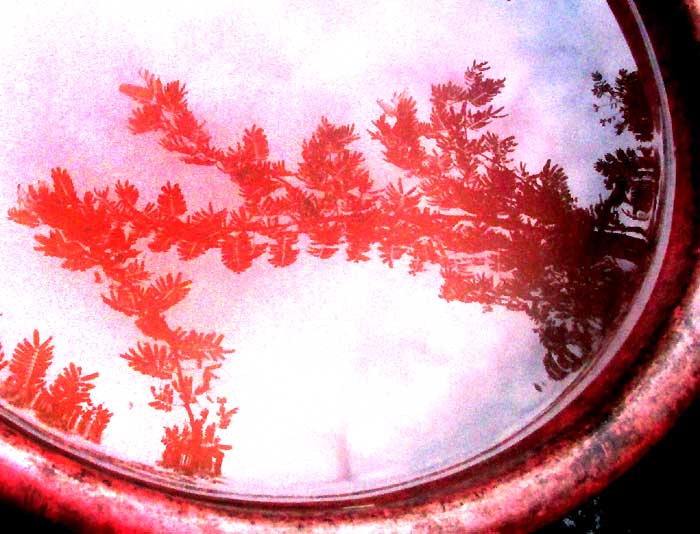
{"x": 500, "y": 234}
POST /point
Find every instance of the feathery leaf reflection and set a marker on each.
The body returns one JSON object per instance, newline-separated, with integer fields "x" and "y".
{"x": 501, "y": 234}
{"x": 65, "y": 404}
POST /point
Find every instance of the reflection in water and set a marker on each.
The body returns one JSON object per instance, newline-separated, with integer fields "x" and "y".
{"x": 500, "y": 234}
{"x": 65, "y": 404}
{"x": 401, "y": 295}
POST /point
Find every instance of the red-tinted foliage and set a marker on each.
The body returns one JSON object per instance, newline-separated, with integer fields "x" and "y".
{"x": 3, "y": 362}
{"x": 194, "y": 449}
{"x": 64, "y": 404}
{"x": 150, "y": 359}
{"x": 30, "y": 361}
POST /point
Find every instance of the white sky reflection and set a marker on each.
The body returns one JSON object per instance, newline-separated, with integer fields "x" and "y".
{"x": 331, "y": 358}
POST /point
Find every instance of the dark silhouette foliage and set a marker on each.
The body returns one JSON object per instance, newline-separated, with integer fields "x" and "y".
{"x": 630, "y": 110}
{"x": 631, "y": 173}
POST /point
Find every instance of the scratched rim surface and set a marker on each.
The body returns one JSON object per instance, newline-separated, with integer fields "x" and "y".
{"x": 556, "y": 468}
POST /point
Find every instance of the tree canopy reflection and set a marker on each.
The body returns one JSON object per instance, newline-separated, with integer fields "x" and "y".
{"x": 500, "y": 233}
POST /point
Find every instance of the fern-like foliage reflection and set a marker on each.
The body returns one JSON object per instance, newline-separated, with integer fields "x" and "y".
{"x": 501, "y": 234}
{"x": 65, "y": 403}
